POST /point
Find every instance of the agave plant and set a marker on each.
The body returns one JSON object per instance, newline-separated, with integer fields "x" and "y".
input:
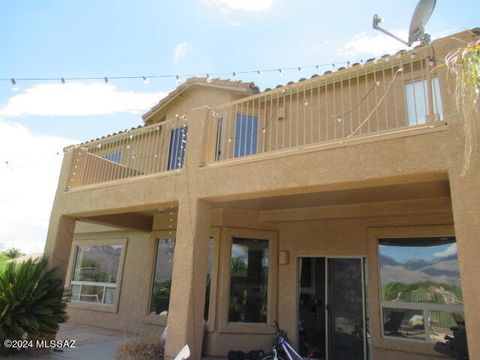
{"x": 31, "y": 303}
{"x": 464, "y": 64}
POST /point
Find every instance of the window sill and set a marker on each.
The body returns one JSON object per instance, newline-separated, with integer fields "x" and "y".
{"x": 158, "y": 320}
{"x": 93, "y": 307}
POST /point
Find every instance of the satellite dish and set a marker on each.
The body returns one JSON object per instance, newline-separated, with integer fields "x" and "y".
{"x": 421, "y": 15}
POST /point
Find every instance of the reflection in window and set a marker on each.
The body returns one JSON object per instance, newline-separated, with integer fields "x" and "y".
{"x": 162, "y": 280}
{"x": 114, "y": 156}
{"x": 246, "y": 133}
{"x": 403, "y": 322}
{"x": 248, "y": 281}
{"x": 421, "y": 296}
{"x": 176, "y": 151}
{"x": 209, "y": 277}
{"x": 95, "y": 274}
{"x": 441, "y": 324}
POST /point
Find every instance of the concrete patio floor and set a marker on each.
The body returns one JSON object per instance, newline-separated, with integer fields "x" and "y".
{"x": 91, "y": 343}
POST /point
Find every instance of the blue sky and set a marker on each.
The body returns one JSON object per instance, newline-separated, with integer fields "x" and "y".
{"x": 427, "y": 253}
{"x": 109, "y": 38}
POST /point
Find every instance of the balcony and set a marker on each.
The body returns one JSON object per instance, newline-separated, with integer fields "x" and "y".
{"x": 394, "y": 94}
{"x": 139, "y": 152}
{"x": 365, "y": 100}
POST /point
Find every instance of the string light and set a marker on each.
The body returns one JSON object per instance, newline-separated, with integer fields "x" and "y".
{"x": 15, "y": 87}
{"x": 148, "y": 78}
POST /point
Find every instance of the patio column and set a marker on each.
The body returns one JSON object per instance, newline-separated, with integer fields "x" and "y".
{"x": 61, "y": 228}
{"x": 187, "y": 298}
{"x": 465, "y": 193}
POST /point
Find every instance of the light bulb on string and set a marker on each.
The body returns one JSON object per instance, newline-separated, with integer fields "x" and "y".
{"x": 15, "y": 86}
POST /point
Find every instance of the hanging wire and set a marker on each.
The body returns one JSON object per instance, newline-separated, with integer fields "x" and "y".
{"x": 146, "y": 78}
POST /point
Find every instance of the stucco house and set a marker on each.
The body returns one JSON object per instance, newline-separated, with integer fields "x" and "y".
{"x": 334, "y": 205}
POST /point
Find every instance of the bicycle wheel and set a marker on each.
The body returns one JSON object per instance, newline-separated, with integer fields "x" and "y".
{"x": 270, "y": 357}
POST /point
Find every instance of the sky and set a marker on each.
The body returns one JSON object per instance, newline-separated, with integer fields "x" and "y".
{"x": 55, "y": 38}
{"x": 427, "y": 253}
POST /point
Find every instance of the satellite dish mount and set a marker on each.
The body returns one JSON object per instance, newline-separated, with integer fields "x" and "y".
{"x": 421, "y": 15}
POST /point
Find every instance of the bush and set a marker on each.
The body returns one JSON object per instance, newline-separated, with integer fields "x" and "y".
{"x": 31, "y": 303}
{"x": 13, "y": 253}
{"x": 141, "y": 348}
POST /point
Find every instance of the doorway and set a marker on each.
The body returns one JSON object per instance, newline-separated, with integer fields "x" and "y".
{"x": 331, "y": 308}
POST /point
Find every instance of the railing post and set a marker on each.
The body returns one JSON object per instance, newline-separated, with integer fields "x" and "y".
{"x": 431, "y": 116}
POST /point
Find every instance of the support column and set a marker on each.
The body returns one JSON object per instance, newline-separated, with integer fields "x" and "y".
{"x": 187, "y": 298}
{"x": 61, "y": 228}
{"x": 465, "y": 193}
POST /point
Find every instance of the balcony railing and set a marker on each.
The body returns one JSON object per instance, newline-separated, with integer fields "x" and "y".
{"x": 139, "y": 152}
{"x": 381, "y": 95}
{"x": 368, "y": 99}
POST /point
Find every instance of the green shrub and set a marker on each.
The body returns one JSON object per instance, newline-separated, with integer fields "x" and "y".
{"x": 13, "y": 253}
{"x": 31, "y": 303}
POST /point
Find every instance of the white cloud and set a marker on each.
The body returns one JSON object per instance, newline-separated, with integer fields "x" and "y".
{"x": 362, "y": 44}
{"x": 27, "y": 184}
{"x": 451, "y": 250}
{"x": 242, "y": 5}
{"x": 181, "y": 52}
{"x": 77, "y": 99}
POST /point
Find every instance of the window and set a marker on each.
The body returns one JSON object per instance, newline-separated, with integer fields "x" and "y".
{"x": 246, "y": 130}
{"x": 421, "y": 295}
{"x": 219, "y": 139}
{"x": 176, "y": 152}
{"x": 416, "y": 97}
{"x": 248, "y": 280}
{"x": 95, "y": 274}
{"x": 115, "y": 157}
{"x": 162, "y": 277}
{"x": 209, "y": 276}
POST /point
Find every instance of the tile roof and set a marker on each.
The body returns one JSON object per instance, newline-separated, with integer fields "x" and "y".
{"x": 247, "y": 87}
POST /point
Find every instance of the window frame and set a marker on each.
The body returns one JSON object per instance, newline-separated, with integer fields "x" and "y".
{"x": 156, "y": 236}
{"x": 97, "y": 241}
{"x": 378, "y": 339}
{"x": 426, "y": 308}
{"x": 215, "y": 234}
{"x": 225, "y": 326}
{"x": 254, "y": 150}
{"x": 437, "y": 103}
{"x": 177, "y": 147}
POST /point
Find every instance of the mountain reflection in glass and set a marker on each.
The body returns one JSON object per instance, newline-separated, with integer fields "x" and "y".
{"x": 420, "y": 287}
{"x": 420, "y": 270}
{"x": 248, "y": 281}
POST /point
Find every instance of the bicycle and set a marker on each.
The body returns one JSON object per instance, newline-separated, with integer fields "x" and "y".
{"x": 281, "y": 343}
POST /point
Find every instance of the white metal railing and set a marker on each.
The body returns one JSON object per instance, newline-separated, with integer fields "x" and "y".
{"x": 92, "y": 298}
{"x": 139, "y": 152}
{"x": 384, "y": 94}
